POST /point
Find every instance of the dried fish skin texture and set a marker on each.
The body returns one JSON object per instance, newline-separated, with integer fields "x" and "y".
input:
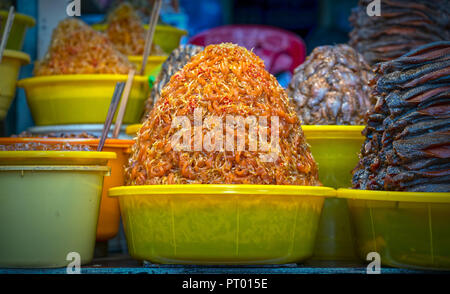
{"x": 413, "y": 109}
{"x": 401, "y": 27}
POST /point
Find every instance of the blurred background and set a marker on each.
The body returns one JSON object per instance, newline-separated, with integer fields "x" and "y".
{"x": 316, "y": 22}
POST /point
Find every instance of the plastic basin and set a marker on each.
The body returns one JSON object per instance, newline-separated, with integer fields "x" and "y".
{"x": 9, "y": 72}
{"x": 109, "y": 216}
{"x": 335, "y": 148}
{"x": 80, "y": 99}
{"x": 166, "y": 37}
{"x": 152, "y": 63}
{"x": 19, "y": 27}
{"x": 221, "y": 224}
{"x": 48, "y": 210}
{"x": 407, "y": 229}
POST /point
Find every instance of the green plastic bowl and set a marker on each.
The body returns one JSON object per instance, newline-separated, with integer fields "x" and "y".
{"x": 221, "y": 224}
{"x": 335, "y": 149}
{"x": 18, "y": 30}
{"x": 407, "y": 229}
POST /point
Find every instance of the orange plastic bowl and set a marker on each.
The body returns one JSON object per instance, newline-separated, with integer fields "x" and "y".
{"x": 109, "y": 217}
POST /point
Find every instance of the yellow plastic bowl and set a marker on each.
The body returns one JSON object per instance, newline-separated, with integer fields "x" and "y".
{"x": 335, "y": 149}
{"x": 80, "y": 99}
{"x": 152, "y": 63}
{"x": 9, "y": 72}
{"x": 407, "y": 229}
{"x": 132, "y": 130}
{"x": 19, "y": 27}
{"x": 48, "y": 211}
{"x": 221, "y": 224}
{"x": 166, "y": 37}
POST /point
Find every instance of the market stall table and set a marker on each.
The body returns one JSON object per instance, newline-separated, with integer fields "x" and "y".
{"x": 123, "y": 264}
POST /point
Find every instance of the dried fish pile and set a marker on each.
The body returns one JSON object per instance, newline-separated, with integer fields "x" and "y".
{"x": 332, "y": 87}
{"x": 176, "y": 60}
{"x": 402, "y": 26}
{"x": 407, "y": 145}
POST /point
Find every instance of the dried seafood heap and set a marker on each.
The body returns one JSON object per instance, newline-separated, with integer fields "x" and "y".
{"x": 78, "y": 49}
{"x": 126, "y": 32}
{"x": 82, "y": 135}
{"x": 402, "y": 26}
{"x": 176, "y": 60}
{"x": 332, "y": 87}
{"x": 224, "y": 81}
{"x": 49, "y": 146}
{"x": 36, "y": 146}
{"x": 407, "y": 145}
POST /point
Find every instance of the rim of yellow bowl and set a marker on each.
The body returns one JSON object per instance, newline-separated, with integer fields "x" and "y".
{"x": 113, "y": 143}
{"x": 57, "y": 154}
{"x": 23, "y": 57}
{"x": 59, "y": 168}
{"x": 333, "y": 131}
{"x": 135, "y": 58}
{"x": 168, "y": 28}
{"x": 230, "y": 189}
{"x": 79, "y": 78}
{"x": 132, "y": 130}
{"x": 423, "y": 197}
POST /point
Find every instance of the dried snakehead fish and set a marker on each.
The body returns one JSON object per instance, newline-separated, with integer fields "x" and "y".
{"x": 407, "y": 145}
{"x": 402, "y": 26}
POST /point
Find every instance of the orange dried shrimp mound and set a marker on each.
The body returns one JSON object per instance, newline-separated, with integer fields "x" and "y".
{"x": 126, "y": 32}
{"x": 78, "y": 49}
{"x": 222, "y": 81}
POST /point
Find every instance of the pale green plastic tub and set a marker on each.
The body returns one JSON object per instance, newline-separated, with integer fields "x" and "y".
{"x": 407, "y": 229}
{"x": 48, "y": 211}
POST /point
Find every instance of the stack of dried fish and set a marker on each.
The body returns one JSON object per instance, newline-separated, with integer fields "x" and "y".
{"x": 402, "y": 26}
{"x": 177, "y": 59}
{"x": 332, "y": 87}
{"x": 407, "y": 145}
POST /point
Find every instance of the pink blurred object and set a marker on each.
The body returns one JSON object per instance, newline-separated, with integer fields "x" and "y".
{"x": 281, "y": 50}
